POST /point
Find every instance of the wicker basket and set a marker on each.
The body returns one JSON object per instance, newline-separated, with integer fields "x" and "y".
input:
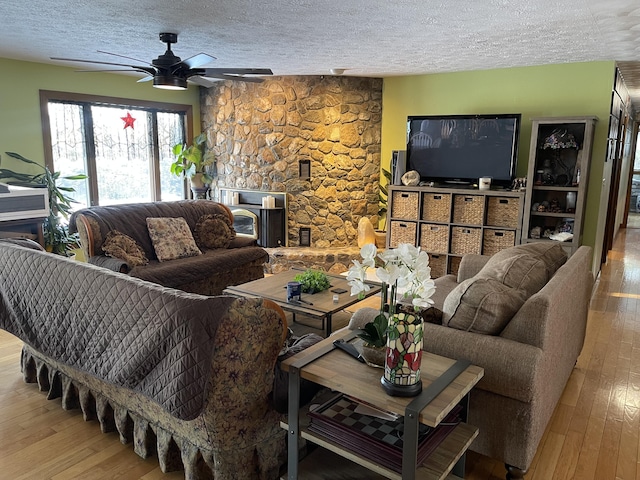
{"x": 496, "y": 240}
{"x": 465, "y": 240}
{"x": 438, "y": 264}
{"x": 454, "y": 265}
{"x": 436, "y": 207}
{"x": 402, "y": 232}
{"x": 404, "y": 205}
{"x": 434, "y": 238}
{"x": 503, "y": 212}
{"x": 468, "y": 209}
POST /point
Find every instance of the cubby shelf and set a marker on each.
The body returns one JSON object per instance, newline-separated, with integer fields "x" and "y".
{"x": 448, "y": 223}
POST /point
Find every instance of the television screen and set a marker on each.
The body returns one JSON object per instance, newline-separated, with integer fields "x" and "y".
{"x": 459, "y": 149}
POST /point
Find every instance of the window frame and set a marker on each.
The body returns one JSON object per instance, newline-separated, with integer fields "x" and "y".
{"x": 85, "y": 100}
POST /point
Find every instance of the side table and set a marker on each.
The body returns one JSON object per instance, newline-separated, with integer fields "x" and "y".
{"x": 446, "y": 383}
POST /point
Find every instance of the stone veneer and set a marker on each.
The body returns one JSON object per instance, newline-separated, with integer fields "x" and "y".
{"x": 260, "y": 131}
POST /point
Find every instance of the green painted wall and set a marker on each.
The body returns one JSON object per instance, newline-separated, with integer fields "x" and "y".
{"x": 20, "y": 83}
{"x": 576, "y": 89}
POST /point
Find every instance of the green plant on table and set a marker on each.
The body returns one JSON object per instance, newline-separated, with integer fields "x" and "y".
{"x": 57, "y": 238}
{"x": 313, "y": 281}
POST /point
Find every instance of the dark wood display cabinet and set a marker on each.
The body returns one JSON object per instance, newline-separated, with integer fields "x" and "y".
{"x": 558, "y": 174}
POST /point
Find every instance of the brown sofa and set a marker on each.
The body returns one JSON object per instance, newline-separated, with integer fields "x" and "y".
{"x": 528, "y": 362}
{"x": 208, "y": 274}
{"x": 181, "y": 375}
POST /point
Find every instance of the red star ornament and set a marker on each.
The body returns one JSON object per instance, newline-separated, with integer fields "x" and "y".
{"x": 128, "y": 120}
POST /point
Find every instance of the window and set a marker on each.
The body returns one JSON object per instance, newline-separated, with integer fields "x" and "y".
{"x": 126, "y": 161}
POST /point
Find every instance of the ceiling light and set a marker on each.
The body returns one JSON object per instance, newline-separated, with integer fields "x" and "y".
{"x": 337, "y": 71}
{"x": 169, "y": 82}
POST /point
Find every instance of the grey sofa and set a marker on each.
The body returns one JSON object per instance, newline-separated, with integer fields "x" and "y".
{"x": 208, "y": 274}
{"x": 184, "y": 376}
{"x": 527, "y": 364}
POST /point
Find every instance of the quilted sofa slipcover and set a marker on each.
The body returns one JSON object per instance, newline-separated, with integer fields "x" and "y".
{"x": 182, "y": 375}
{"x": 207, "y": 274}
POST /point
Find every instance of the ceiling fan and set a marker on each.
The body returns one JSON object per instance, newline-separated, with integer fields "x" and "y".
{"x": 170, "y": 72}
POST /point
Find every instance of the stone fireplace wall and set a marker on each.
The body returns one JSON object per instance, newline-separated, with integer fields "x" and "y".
{"x": 259, "y": 132}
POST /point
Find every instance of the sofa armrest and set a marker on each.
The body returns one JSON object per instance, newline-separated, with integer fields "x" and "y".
{"x": 511, "y": 369}
{"x": 470, "y": 265}
{"x": 247, "y": 344}
{"x": 113, "y": 264}
{"x": 87, "y": 236}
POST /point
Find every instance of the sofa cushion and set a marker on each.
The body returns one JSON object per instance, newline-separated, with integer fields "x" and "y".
{"x": 482, "y": 305}
{"x": 220, "y": 262}
{"x": 214, "y": 231}
{"x": 171, "y": 238}
{"x": 551, "y": 253}
{"x": 121, "y": 246}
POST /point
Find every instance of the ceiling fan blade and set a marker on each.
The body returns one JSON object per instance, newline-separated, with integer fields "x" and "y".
{"x": 148, "y": 78}
{"x": 236, "y": 71}
{"x": 198, "y": 60}
{"x": 137, "y": 68}
{"x": 239, "y": 78}
{"x": 203, "y": 82}
{"x": 108, "y": 70}
{"x": 123, "y": 56}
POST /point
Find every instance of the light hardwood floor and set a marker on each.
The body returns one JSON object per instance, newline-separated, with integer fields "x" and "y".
{"x": 594, "y": 433}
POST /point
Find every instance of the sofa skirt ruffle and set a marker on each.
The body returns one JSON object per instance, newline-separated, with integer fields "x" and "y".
{"x": 119, "y": 410}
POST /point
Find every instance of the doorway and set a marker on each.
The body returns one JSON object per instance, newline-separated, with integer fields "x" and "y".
{"x": 633, "y": 218}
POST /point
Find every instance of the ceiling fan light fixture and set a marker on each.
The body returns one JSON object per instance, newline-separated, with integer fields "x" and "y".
{"x": 169, "y": 82}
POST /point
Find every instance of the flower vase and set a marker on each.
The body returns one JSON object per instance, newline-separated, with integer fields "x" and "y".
{"x": 404, "y": 355}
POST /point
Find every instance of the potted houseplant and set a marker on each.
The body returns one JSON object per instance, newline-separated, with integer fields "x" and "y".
{"x": 57, "y": 238}
{"x": 193, "y": 163}
{"x": 312, "y": 281}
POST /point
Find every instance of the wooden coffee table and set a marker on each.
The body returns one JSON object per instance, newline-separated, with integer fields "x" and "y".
{"x": 319, "y": 305}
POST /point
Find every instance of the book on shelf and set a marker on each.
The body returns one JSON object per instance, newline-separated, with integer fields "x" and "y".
{"x": 374, "y": 438}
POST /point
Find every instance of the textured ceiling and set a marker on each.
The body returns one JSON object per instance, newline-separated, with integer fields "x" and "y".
{"x": 309, "y": 37}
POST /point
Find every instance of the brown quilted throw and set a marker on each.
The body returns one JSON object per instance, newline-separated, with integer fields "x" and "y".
{"x": 135, "y": 334}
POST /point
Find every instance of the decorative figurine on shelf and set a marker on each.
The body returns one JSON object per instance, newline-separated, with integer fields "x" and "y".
{"x": 536, "y": 232}
{"x": 547, "y": 172}
{"x": 554, "y": 206}
{"x": 571, "y": 202}
{"x": 519, "y": 184}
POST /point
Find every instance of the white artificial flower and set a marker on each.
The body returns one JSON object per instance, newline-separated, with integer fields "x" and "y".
{"x": 368, "y": 253}
{"x": 405, "y": 267}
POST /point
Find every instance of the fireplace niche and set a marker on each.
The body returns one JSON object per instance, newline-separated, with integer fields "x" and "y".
{"x": 253, "y": 220}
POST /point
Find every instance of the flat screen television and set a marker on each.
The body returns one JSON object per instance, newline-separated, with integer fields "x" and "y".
{"x": 459, "y": 149}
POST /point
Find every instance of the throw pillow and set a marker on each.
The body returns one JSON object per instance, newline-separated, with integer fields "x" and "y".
{"x": 171, "y": 238}
{"x": 122, "y": 246}
{"x": 482, "y": 305}
{"x": 551, "y": 253}
{"x": 214, "y": 231}
{"x": 523, "y": 271}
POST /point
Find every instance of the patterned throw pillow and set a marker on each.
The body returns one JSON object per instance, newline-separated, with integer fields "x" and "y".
{"x": 214, "y": 231}
{"x": 122, "y": 246}
{"x": 171, "y": 238}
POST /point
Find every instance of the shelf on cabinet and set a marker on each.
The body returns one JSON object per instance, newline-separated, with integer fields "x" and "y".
{"x": 553, "y": 214}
